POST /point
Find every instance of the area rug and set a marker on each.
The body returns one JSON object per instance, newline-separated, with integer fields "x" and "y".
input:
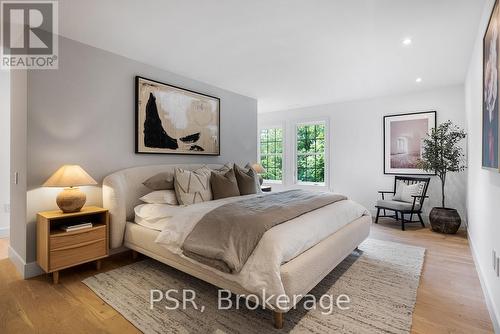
{"x": 381, "y": 280}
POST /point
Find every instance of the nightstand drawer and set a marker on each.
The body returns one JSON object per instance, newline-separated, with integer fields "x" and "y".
{"x": 79, "y": 253}
{"x": 66, "y": 239}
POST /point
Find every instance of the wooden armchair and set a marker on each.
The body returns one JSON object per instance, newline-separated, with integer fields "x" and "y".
{"x": 411, "y": 206}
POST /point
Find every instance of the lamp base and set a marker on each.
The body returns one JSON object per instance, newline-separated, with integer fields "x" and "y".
{"x": 71, "y": 200}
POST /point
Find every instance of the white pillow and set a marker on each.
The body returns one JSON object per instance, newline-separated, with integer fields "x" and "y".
{"x": 155, "y": 216}
{"x": 160, "y": 197}
{"x": 404, "y": 192}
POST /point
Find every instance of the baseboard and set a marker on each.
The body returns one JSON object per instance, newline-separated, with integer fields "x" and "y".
{"x": 17, "y": 260}
{"x": 118, "y": 250}
{"x": 425, "y": 217}
{"x": 4, "y": 232}
{"x": 495, "y": 319}
{"x": 26, "y": 270}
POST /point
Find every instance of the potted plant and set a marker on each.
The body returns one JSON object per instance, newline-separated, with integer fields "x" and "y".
{"x": 442, "y": 154}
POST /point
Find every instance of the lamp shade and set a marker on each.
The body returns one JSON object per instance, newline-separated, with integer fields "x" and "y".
{"x": 70, "y": 176}
{"x": 258, "y": 168}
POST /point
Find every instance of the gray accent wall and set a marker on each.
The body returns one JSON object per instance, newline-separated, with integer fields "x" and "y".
{"x": 83, "y": 113}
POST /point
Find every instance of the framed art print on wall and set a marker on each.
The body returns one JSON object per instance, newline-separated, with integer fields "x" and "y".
{"x": 403, "y": 139}
{"x": 173, "y": 120}
{"x": 490, "y": 91}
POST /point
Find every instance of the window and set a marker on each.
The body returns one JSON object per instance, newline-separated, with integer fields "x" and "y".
{"x": 271, "y": 153}
{"x": 311, "y": 153}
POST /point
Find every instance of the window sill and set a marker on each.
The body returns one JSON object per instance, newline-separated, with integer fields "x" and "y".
{"x": 313, "y": 184}
{"x": 272, "y": 182}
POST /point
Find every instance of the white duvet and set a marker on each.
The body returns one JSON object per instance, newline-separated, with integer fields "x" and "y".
{"x": 278, "y": 245}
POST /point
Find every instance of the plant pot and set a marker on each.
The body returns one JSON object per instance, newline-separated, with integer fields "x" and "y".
{"x": 444, "y": 220}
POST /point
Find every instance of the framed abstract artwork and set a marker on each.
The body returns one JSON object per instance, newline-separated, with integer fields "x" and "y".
{"x": 490, "y": 92}
{"x": 403, "y": 139}
{"x": 174, "y": 120}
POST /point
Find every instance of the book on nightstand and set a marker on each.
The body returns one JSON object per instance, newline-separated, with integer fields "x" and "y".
{"x": 69, "y": 228}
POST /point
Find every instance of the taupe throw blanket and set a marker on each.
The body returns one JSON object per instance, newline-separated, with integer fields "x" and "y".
{"x": 226, "y": 236}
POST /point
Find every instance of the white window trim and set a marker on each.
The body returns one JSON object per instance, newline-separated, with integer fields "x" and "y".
{"x": 283, "y": 148}
{"x": 296, "y": 124}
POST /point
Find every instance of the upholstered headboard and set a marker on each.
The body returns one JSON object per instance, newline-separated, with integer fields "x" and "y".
{"x": 121, "y": 192}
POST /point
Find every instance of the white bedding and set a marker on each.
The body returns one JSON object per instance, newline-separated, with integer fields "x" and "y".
{"x": 278, "y": 245}
{"x": 155, "y": 216}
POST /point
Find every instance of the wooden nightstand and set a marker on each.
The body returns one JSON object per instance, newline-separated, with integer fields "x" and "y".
{"x": 57, "y": 249}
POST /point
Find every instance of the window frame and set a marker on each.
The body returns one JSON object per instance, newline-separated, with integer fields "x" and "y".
{"x": 296, "y": 154}
{"x": 283, "y": 148}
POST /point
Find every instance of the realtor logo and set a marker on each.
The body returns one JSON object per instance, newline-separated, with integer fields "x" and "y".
{"x": 29, "y": 35}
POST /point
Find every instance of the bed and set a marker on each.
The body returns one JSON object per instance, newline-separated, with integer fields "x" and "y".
{"x": 296, "y": 276}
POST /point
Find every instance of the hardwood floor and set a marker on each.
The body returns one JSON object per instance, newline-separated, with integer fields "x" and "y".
{"x": 449, "y": 298}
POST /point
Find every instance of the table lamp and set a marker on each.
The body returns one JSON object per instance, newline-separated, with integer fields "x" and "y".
{"x": 71, "y": 199}
{"x": 259, "y": 170}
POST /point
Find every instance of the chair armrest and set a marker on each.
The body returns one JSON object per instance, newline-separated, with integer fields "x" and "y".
{"x": 420, "y": 196}
{"x": 383, "y": 192}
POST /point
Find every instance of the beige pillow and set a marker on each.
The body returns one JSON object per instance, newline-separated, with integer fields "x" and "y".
{"x": 192, "y": 186}
{"x": 224, "y": 185}
{"x": 161, "y": 181}
{"x": 248, "y": 180}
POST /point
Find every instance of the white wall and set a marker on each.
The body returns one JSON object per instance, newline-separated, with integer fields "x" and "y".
{"x": 18, "y": 136}
{"x": 83, "y": 113}
{"x": 356, "y": 142}
{"x": 4, "y": 152}
{"x": 483, "y": 196}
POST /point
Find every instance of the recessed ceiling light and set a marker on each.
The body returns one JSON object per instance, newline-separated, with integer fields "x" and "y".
{"x": 407, "y": 41}
{"x": 418, "y": 80}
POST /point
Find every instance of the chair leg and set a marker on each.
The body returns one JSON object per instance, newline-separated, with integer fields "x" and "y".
{"x": 378, "y": 214}
{"x": 402, "y": 221}
{"x": 421, "y": 220}
{"x": 396, "y": 215}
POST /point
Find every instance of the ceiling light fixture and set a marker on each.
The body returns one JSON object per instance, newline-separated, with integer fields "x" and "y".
{"x": 418, "y": 80}
{"x": 407, "y": 41}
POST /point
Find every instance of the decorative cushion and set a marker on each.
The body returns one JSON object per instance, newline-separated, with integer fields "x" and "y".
{"x": 224, "y": 169}
{"x": 397, "y": 205}
{"x": 259, "y": 180}
{"x": 224, "y": 185}
{"x": 248, "y": 180}
{"x": 161, "y": 197}
{"x": 192, "y": 186}
{"x": 404, "y": 192}
{"x": 160, "y": 181}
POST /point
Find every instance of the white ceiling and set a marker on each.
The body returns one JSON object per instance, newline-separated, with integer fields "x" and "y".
{"x": 287, "y": 53}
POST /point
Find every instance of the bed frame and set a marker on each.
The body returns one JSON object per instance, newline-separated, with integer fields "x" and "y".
{"x": 121, "y": 193}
